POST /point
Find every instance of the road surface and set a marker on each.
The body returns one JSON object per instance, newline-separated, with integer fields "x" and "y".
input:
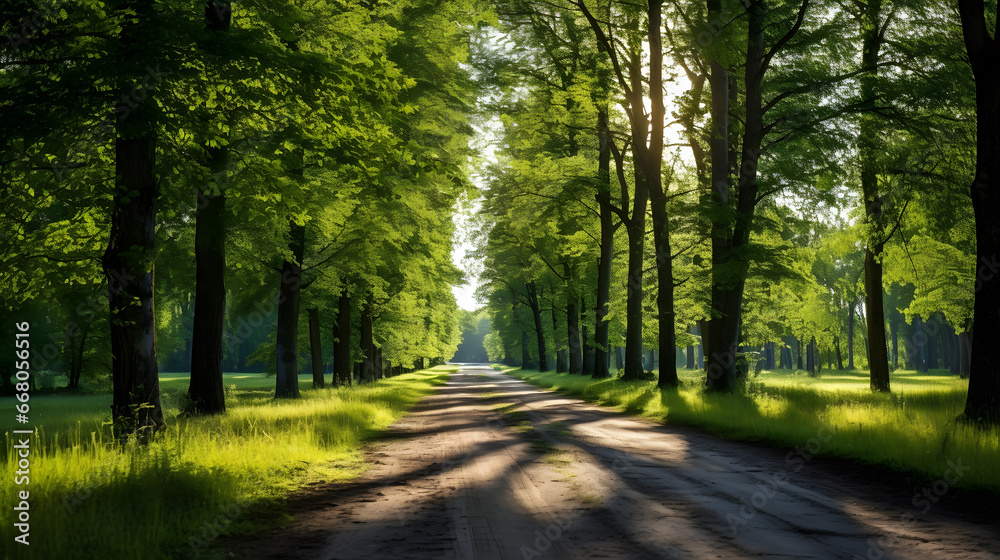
{"x": 489, "y": 467}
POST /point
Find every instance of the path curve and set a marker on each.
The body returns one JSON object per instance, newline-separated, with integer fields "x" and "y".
{"x": 557, "y": 478}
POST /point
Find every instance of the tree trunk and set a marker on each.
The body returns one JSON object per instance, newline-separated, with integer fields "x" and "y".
{"x": 342, "y": 348}
{"x": 525, "y": 356}
{"x": 878, "y": 356}
{"x": 689, "y": 358}
{"x": 850, "y": 336}
{"x": 632, "y": 83}
{"x": 560, "y": 353}
{"x": 78, "y": 342}
{"x": 607, "y": 246}
{"x": 536, "y": 313}
{"x": 983, "y": 402}
{"x": 206, "y": 387}
{"x": 573, "y": 326}
{"x": 619, "y": 359}
{"x": 128, "y": 266}
{"x": 919, "y": 343}
{"x": 367, "y": 345}
{"x": 728, "y": 261}
{"x": 316, "y": 349}
{"x": 377, "y": 362}
{"x": 965, "y": 357}
{"x": 588, "y": 351}
{"x": 931, "y": 328}
{"x": 868, "y": 148}
{"x": 894, "y": 332}
{"x": 289, "y": 298}
{"x": 840, "y": 359}
{"x": 948, "y": 347}
{"x": 810, "y": 357}
{"x": 664, "y": 290}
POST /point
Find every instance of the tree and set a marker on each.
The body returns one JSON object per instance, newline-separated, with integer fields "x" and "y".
{"x": 983, "y": 402}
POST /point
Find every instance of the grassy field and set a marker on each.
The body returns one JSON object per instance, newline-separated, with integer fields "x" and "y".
{"x": 170, "y": 499}
{"x": 912, "y": 429}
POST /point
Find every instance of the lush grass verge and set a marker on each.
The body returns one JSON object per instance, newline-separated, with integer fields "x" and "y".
{"x": 92, "y": 499}
{"x": 912, "y": 430}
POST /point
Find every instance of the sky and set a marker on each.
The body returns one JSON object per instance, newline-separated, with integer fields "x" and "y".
{"x": 485, "y": 141}
{"x": 465, "y": 294}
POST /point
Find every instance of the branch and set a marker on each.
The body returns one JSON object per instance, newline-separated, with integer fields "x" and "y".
{"x": 786, "y": 37}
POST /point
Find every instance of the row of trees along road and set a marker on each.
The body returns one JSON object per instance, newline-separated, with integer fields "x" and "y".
{"x": 788, "y": 175}
{"x": 252, "y": 167}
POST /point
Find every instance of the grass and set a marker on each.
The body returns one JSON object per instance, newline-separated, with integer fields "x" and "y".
{"x": 912, "y": 430}
{"x": 92, "y": 499}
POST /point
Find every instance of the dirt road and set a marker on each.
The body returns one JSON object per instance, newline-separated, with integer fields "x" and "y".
{"x": 489, "y": 467}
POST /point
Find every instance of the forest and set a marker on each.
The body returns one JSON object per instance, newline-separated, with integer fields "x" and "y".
{"x": 237, "y": 235}
{"x": 279, "y": 186}
{"x": 729, "y": 186}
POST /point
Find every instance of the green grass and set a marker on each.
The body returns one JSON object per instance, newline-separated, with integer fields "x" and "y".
{"x": 92, "y": 499}
{"x": 913, "y": 429}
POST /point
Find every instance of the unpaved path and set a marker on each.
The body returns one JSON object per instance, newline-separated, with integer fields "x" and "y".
{"x": 559, "y": 478}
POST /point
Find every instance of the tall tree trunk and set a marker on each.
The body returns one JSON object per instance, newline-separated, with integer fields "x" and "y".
{"x": 810, "y": 357}
{"x": 719, "y": 359}
{"x": 664, "y": 291}
{"x": 703, "y": 334}
{"x": 840, "y": 359}
{"x": 560, "y": 353}
{"x": 316, "y": 349}
{"x": 607, "y": 246}
{"x": 965, "y": 357}
{"x": 878, "y": 355}
{"x": 536, "y": 313}
{"x": 798, "y": 352}
{"x": 728, "y": 263}
{"x": 205, "y": 388}
{"x": 619, "y": 358}
{"x": 894, "y": 332}
{"x": 289, "y": 298}
{"x": 377, "y": 362}
{"x": 573, "y": 324}
{"x": 932, "y": 328}
{"x": 367, "y": 345}
{"x": 983, "y": 401}
{"x": 631, "y": 82}
{"x": 633, "y": 300}
{"x": 525, "y": 356}
{"x": 919, "y": 343}
{"x": 690, "y": 360}
{"x": 342, "y": 348}
{"x": 868, "y": 148}
{"x": 948, "y": 339}
{"x": 850, "y": 336}
{"x": 128, "y": 266}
